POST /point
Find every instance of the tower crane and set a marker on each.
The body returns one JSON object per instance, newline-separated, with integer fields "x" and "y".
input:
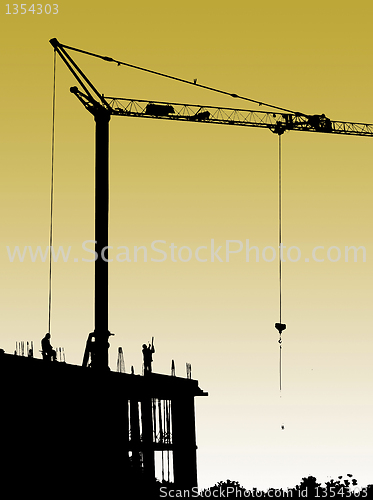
{"x": 103, "y": 108}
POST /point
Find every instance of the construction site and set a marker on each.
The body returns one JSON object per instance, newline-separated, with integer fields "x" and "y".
{"x": 100, "y": 430}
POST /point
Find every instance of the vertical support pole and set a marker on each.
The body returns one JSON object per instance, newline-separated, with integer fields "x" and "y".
{"x": 135, "y": 435}
{"x": 184, "y": 442}
{"x": 119, "y": 418}
{"x": 160, "y": 422}
{"x": 102, "y": 118}
{"x": 147, "y": 438}
{"x": 167, "y": 407}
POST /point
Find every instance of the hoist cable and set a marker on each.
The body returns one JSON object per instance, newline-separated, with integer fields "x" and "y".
{"x": 51, "y": 195}
{"x": 280, "y": 223}
{"x": 280, "y": 246}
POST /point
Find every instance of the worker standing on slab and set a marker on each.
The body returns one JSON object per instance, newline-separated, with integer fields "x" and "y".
{"x": 148, "y": 351}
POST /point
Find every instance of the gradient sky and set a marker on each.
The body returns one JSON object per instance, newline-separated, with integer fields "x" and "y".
{"x": 189, "y": 183}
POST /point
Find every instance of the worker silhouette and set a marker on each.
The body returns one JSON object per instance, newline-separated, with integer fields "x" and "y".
{"x": 91, "y": 348}
{"x": 148, "y": 351}
{"x": 48, "y": 352}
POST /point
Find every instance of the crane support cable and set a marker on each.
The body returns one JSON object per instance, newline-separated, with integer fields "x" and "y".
{"x": 51, "y": 195}
{"x": 194, "y": 83}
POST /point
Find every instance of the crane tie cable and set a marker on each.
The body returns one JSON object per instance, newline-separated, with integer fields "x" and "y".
{"x": 194, "y": 83}
{"x": 51, "y": 195}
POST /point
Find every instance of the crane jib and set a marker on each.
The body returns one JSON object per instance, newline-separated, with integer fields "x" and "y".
{"x": 276, "y": 122}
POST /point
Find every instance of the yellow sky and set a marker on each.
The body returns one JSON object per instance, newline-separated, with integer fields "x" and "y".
{"x": 188, "y": 184}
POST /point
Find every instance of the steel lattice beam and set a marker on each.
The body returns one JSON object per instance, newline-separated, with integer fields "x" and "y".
{"x": 276, "y": 122}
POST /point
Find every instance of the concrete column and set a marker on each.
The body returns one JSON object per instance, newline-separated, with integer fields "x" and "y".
{"x": 184, "y": 442}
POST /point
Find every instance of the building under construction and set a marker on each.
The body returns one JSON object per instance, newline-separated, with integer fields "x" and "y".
{"x": 73, "y": 427}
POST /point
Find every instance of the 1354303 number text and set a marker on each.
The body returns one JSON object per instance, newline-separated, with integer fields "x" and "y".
{"x": 35, "y": 8}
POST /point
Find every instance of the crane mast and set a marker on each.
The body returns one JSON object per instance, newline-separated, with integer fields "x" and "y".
{"x": 97, "y": 343}
{"x": 102, "y": 108}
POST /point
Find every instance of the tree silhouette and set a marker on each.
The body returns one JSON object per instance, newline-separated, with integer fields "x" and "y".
{"x": 334, "y": 489}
